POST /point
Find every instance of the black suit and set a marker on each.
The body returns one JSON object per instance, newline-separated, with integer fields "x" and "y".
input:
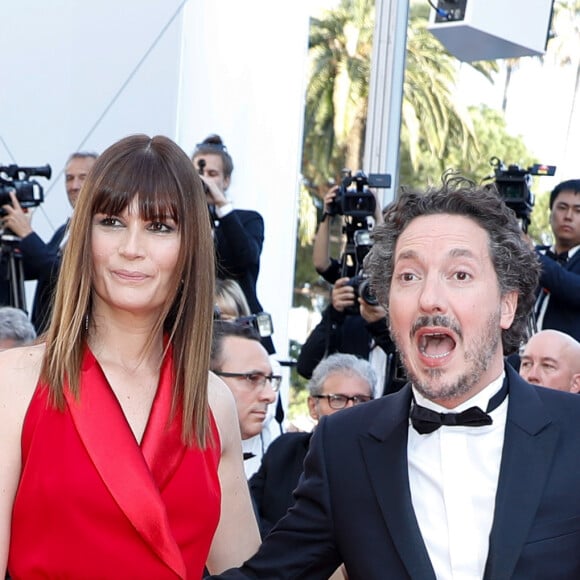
{"x": 272, "y": 486}
{"x": 239, "y": 237}
{"x": 562, "y": 281}
{"x": 353, "y": 503}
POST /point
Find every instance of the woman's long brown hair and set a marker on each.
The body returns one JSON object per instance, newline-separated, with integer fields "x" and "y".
{"x": 160, "y": 173}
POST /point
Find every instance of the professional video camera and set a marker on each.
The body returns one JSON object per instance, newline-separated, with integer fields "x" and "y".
{"x": 358, "y": 201}
{"x": 29, "y": 192}
{"x": 357, "y": 204}
{"x": 513, "y": 185}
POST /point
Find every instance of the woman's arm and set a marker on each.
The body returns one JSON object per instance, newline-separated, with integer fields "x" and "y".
{"x": 236, "y": 537}
{"x": 19, "y": 370}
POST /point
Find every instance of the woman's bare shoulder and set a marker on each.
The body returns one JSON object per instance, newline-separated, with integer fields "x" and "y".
{"x": 19, "y": 372}
{"x": 223, "y": 407}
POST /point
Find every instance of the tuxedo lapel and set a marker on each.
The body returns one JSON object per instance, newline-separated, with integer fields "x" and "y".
{"x": 120, "y": 462}
{"x": 529, "y": 444}
{"x": 384, "y": 450}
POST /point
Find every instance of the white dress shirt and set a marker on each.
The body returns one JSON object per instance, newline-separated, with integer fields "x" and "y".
{"x": 453, "y": 474}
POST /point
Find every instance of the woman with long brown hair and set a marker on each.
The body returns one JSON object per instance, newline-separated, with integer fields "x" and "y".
{"x": 119, "y": 451}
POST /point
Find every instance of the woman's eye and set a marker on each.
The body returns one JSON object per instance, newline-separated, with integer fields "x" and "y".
{"x": 161, "y": 227}
{"x": 109, "y": 221}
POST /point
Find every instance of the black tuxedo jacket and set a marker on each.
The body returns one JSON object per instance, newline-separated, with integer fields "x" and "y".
{"x": 563, "y": 284}
{"x": 353, "y": 503}
{"x": 272, "y": 486}
{"x": 41, "y": 261}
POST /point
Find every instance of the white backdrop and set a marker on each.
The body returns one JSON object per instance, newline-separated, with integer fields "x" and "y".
{"x": 79, "y": 75}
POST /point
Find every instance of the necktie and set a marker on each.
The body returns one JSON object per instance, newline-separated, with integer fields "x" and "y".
{"x": 426, "y": 420}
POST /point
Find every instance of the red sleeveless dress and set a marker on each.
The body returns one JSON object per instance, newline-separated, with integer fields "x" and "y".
{"x": 93, "y": 503}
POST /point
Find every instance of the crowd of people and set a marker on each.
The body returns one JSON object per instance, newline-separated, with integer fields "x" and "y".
{"x": 445, "y": 431}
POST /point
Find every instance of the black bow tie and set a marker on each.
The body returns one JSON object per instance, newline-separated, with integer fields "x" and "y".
{"x": 426, "y": 420}
{"x": 248, "y": 455}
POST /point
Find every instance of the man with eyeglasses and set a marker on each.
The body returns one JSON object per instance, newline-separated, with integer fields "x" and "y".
{"x": 241, "y": 361}
{"x": 338, "y": 382}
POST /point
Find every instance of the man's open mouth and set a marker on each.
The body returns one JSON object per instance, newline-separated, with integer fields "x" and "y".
{"x": 436, "y": 344}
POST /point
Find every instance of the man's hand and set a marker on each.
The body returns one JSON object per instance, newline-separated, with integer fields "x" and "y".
{"x": 342, "y": 295}
{"x": 17, "y": 220}
{"x": 214, "y": 195}
{"x": 329, "y": 198}
{"x": 371, "y": 313}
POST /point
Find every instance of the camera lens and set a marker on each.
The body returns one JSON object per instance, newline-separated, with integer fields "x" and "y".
{"x": 364, "y": 291}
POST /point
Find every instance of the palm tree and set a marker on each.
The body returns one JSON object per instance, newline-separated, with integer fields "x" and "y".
{"x": 565, "y": 46}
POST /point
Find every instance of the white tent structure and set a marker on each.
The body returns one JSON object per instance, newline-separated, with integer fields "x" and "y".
{"x": 79, "y": 75}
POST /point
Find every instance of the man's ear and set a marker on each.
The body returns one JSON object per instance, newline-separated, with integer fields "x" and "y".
{"x": 313, "y": 408}
{"x": 509, "y": 303}
{"x": 575, "y": 383}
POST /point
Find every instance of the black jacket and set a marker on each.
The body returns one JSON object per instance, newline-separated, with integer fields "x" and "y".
{"x": 562, "y": 281}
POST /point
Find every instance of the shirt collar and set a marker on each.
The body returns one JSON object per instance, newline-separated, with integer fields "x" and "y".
{"x": 480, "y": 400}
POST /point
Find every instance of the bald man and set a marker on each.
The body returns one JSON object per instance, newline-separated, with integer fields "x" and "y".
{"x": 552, "y": 359}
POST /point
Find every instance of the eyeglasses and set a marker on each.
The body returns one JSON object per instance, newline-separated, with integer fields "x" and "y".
{"x": 341, "y": 401}
{"x": 257, "y": 380}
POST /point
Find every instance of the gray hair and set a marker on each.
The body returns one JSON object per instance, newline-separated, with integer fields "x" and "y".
{"x": 81, "y": 155}
{"x": 515, "y": 262}
{"x": 14, "y": 325}
{"x": 344, "y": 364}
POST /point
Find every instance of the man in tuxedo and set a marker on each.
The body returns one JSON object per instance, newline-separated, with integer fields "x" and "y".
{"x": 468, "y": 471}
{"x": 558, "y": 295}
{"x": 41, "y": 260}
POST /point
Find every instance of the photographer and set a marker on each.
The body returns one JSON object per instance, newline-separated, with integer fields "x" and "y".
{"x": 40, "y": 260}
{"x": 558, "y": 303}
{"x": 328, "y": 267}
{"x": 238, "y": 233}
{"x": 351, "y": 324}
{"x": 364, "y": 335}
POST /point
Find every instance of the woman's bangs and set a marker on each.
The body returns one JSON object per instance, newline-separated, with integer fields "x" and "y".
{"x": 156, "y": 188}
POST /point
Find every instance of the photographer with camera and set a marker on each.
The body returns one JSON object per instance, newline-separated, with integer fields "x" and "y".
{"x": 353, "y": 323}
{"x": 558, "y": 303}
{"x": 40, "y": 260}
{"x": 238, "y": 233}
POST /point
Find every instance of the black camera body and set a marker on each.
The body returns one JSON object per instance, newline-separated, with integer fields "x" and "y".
{"x": 358, "y": 201}
{"x": 361, "y": 286}
{"x": 29, "y": 192}
{"x": 513, "y": 186}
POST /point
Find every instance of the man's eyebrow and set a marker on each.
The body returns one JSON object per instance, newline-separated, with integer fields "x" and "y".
{"x": 461, "y": 253}
{"x": 454, "y": 253}
{"x": 407, "y": 255}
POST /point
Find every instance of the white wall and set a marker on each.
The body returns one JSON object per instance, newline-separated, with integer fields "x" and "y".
{"x": 79, "y": 75}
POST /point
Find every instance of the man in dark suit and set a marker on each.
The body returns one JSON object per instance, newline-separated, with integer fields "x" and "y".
{"x": 239, "y": 233}
{"x": 41, "y": 260}
{"x": 558, "y": 302}
{"x": 468, "y": 471}
{"x": 338, "y": 382}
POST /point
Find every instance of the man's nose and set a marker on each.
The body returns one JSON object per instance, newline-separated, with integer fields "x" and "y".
{"x": 532, "y": 375}
{"x": 432, "y": 298}
{"x": 267, "y": 393}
